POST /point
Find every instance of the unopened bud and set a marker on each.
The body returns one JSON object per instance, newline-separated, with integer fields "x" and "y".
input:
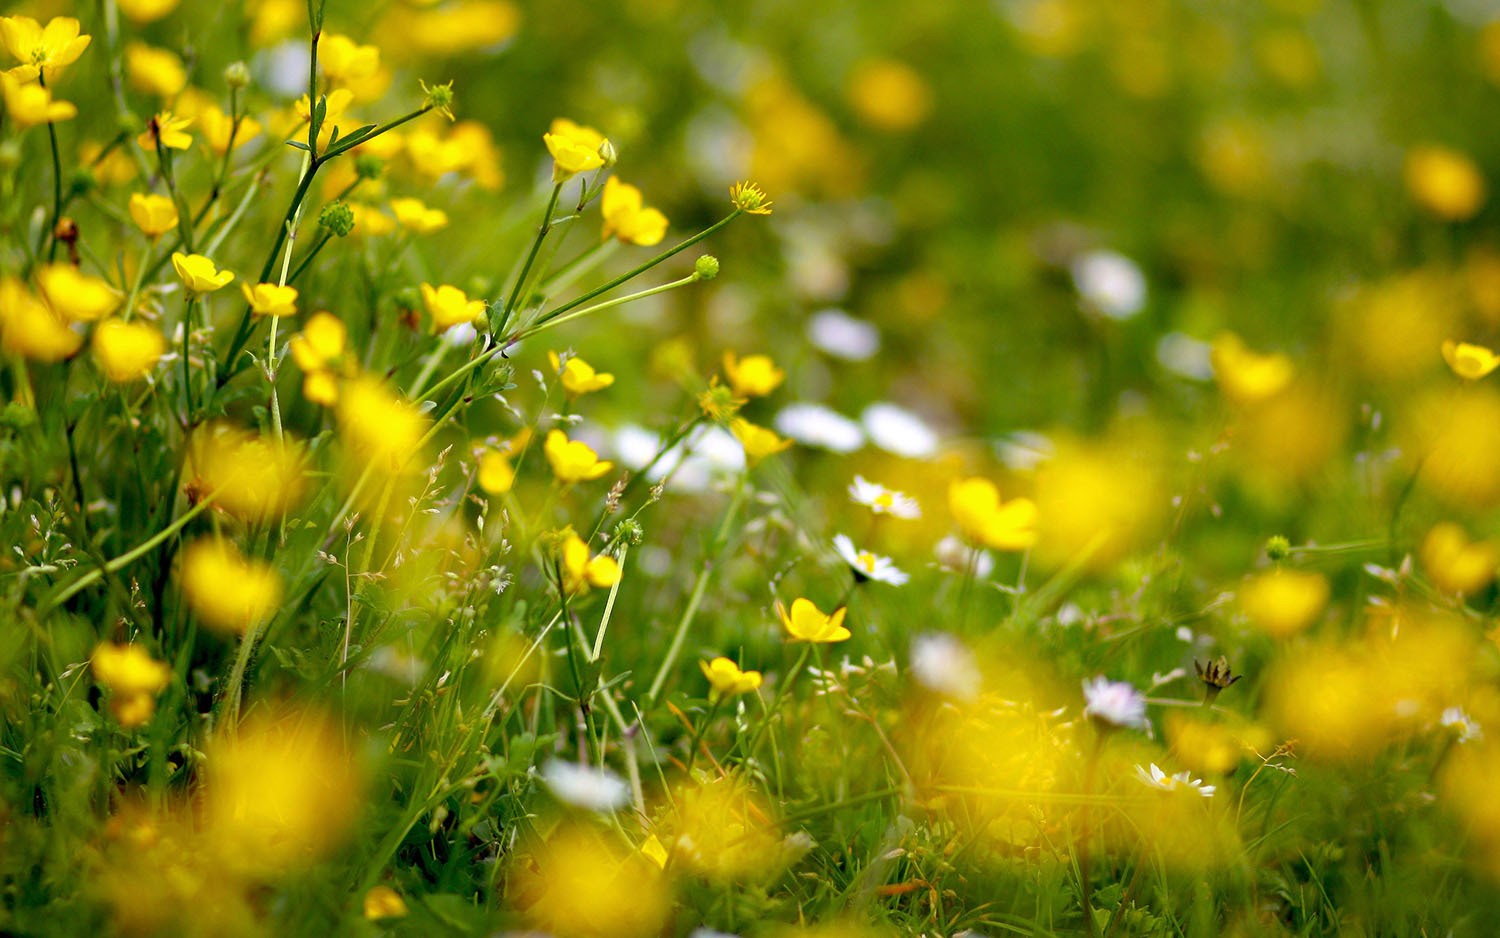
{"x": 337, "y": 217}
{"x": 237, "y": 75}
{"x": 706, "y": 267}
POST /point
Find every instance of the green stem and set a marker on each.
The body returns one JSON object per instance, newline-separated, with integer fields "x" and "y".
{"x": 544, "y": 325}
{"x": 536, "y": 245}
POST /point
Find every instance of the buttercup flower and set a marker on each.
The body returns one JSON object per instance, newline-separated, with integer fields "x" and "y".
{"x": 133, "y": 679}
{"x": 29, "y": 328}
{"x": 417, "y": 218}
{"x": 154, "y": 214}
{"x": 986, "y": 521}
{"x": 1456, "y": 564}
{"x": 76, "y": 295}
{"x": 883, "y": 501}
{"x": 573, "y": 460}
{"x": 496, "y": 474}
{"x": 127, "y": 351}
{"x": 154, "y": 71}
{"x": 198, "y": 273}
{"x": 146, "y": 11}
{"x": 217, "y": 128}
{"x": 41, "y": 49}
{"x": 383, "y": 902}
{"x": 343, "y": 60}
{"x": 269, "y": 299}
{"x": 30, "y": 105}
{"x": 807, "y": 623}
{"x": 318, "y": 349}
{"x": 868, "y": 566}
{"x": 578, "y": 376}
{"x": 1445, "y": 182}
{"x": 627, "y": 218}
{"x": 170, "y": 130}
{"x": 749, "y": 198}
{"x": 1244, "y": 376}
{"x": 575, "y": 149}
{"x": 581, "y": 571}
{"x": 1283, "y": 602}
{"x": 1114, "y": 702}
{"x": 228, "y": 591}
{"x": 1470, "y": 362}
{"x": 1181, "y": 782}
{"x": 725, "y": 679}
{"x": 449, "y": 306}
{"x": 757, "y": 441}
{"x": 752, "y": 376}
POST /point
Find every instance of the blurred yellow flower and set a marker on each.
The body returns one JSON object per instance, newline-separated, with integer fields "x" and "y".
{"x": 269, "y": 299}
{"x": 318, "y": 350}
{"x": 573, "y": 460}
{"x": 807, "y": 623}
{"x": 146, "y": 11}
{"x": 154, "y": 71}
{"x": 1470, "y": 362}
{"x": 75, "y": 295}
{"x": 1456, "y": 564}
{"x": 1244, "y": 376}
{"x": 343, "y": 61}
{"x": 722, "y": 830}
{"x": 986, "y": 521}
{"x": 757, "y": 440}
{"x": 417, "y": 218}
{"x": 170, "y": 130}
{"x": 154, "y": 214}
{"x": 496, "y": 474}
{"x": 226, "y": 590}
{"x": 578, "y": 376}
{"x": 581, "y": 571}
{"x": 383, "y": 902}
{"x": 378, "y": 424}
{"x": 254, "y": 477}
{"x": 575, "y": 148}
{"x": 627, "y": 218}
{"x": 889, "y": 95}
{"x": 371, "y": 222}
{"x": 217, "y": 127}
{"x": 133, "y": 679}
{"x": 127, "y": 351}
{"x": 198, "y": 273}
{"x": 30, "y": 105}
{"x": 725, "y": 679}
{"x": 752, "y": 376}
{"x": 39, "y": 47}
{"x": 1283, "y": 602}
{"x": 1445, "y": 182}
{"x": 29, "y": 328}
{"x": 624, "y": 894}
{"x": 449, "y": 306}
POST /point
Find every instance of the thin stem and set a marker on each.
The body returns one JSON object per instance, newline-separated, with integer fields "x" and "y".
{"x": 536, "y": 245}
{"x": 543, "y": 325}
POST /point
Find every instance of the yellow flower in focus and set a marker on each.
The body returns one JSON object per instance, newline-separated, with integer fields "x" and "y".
{"x": 146, "y": 11}
{"x": 1456, "y": 564}
{"x": 171, "y": 131}
{"x": 749, "y": 198}
{"x": 37, "y": 47}
{"x": 581, "y": 571}
{"x": 269, "y": 299}
{"x": 753, "y": 375}
{"x": 378, "y": 424}
{"x": 986, "y": 521}
{"x": 30, "y": 105}
{"x": 319, "y": 350}
{"x": 573, "y": 460}
{"x": 154, "y": 214}
{"x": 198, "y": 273}
{"x": 1244, "y": 376}
{"x": 127, "y": 351}
{"x": 133, "y": 679}
{"x": 727, "y": 680}
{"x": 889, "y": 95}
{"x": 578, "y": 376}
{"x": 757, "y": 440}
{"x": 154, "y": 71}
{"x": 218, "y": 126}
{"x": 252, "y": 477}
{"x": 496, "y": 474}
{"x": 383, "y": 902}
{"x": 226, "y": 590}
{"x": 624, "y": 894}
{"x": 449, "y": 306}
{"x": 30, "y": 329}
{"x": 1282, "y": 603}
{"x": 76, "y": 295}
{"x": 575, "y": 149}
{"x": 1470, "y": 362}
{"x": 342, "y": 60}
{"x": 417, "y": 218}
{"x": 807, "y": 623}
{"x": 627, "y": 218}
{"x": 1445, "y": 182}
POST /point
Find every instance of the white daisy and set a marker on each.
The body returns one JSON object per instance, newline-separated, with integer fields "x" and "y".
{"x": 820, "y": 426}
{"x": 1110, "y": 283}
{"x": 868, "y": 566}
{"x": 883, "y": 501}
{"x": 1116, "y": 702}
{"x": 944, "y": 664}
{"x": 897, "y": 430}
{"x": 1182, "y": 781}
{"x": 584, "y": 786}
{"x": 842, "y": 336}
{"x": 1454, "y": 718}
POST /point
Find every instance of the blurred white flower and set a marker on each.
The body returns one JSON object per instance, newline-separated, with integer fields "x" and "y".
{"x": 883, "y": 501}
{"x": 1024, "y": 450}
{"x": 1116, "y": 702}
{"x": 953, "y": 554}
{"x": 820, "y": 426}
{"x": 1454, "y": 718}
{"x": 942, "y": 663}
{"x": 866, "y": 565}
{"x": 1110, "y": 283}
{"x": 843, "y": 336}
{"x": 1182, "y": 781}
{"x": 585, "y": 787}
{"x": 1185, "y": 356}
{"x": 897, "y": 430}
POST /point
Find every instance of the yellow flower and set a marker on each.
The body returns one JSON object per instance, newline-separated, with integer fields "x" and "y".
{"x": 718, "y": 402}
{"x": 749, "y": 198}
{"x": 217, "y": 126}
{"x": 578, "y": 376}
{"x": 146, "y": 11}
{"x": 109, "y": 168}
{"x": 384, "y": 902}
{"x": 269, "y": 299}
{"x": 573, "y": 460}
{"x": 889, "y": 95}
{"x": 627, "y": 218}
{"x": 371, "y": 222}
{"x": 1247, "y": 377}
{"x": 153, "y": 214}
{"x": 29, "y": 328}
{"x": 342, "y": 60}
{"x": 752, "y": 376}
{"x": 986, "y": 521}
{"x": 496, "y": 474}
{"x": 226, "y": 590}
{"x": 29, "y": 105}
{"x": 416, "y": 217}
{"x": 318, "y": 350}
{"x": 807, "y": 623}
{"x": 580, "y": 571}
{"x": 757, "y": 441}
{"x": 133, "y": 679}
{"x": 1470, "y": 362}
{"x": 154, "y": 71}
{"x": 76, "y": 295}
{"x": 727, "y": 680}
{"x": 37, "y": 47}
{"x": 378, "y": 425}
{"x": 1445, "y": 182}
{"x": 171, "y": 131}
{"x": 449, "y": 306}
{"x": 198, "y": 273}
{"x": 252, "y": 477}
{"x": 127, "y": 351}
{"x": 1456, "y": 564}
{"x": 1283, "y": 602}
{"x": 574, "y": 148}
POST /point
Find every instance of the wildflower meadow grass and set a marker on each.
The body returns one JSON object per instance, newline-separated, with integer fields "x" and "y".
{"x": 613, "y": 470}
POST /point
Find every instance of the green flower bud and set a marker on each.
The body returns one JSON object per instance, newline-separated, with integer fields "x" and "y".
{"x": 337, "y": 217}
{"x": 369, "y": 166}
{"x": 237, "y": 75}
{"x": 1278, "y": 548}
{"x": 706, "y": 267}
{"x": 81, "y": 182}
